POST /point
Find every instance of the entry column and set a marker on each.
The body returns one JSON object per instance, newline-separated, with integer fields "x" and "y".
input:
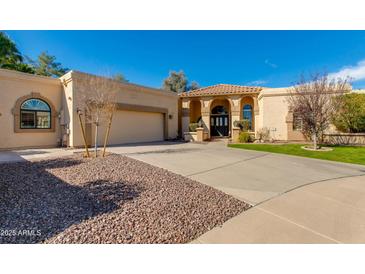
{"x": 235, "y": 110}
{"x": 205, "y": 110}
{"x": 256, "y": 112}
{"x": 185, "y": 115}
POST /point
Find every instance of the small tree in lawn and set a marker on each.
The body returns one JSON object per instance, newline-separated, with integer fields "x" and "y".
{"x": 98, "y": 99}
{"x": 312, "y": 101}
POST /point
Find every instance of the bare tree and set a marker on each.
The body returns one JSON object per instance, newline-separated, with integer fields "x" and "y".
{"x": 312, "y": 101}
{"x": 98, "y": 100}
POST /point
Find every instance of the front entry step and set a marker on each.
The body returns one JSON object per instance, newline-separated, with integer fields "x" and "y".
{"x": 224, "y": 140}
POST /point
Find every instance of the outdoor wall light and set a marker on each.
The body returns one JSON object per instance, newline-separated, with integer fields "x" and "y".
{"x": 170, "y": 116}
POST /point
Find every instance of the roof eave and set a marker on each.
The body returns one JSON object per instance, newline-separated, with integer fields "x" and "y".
{"x": 218, "y": 94}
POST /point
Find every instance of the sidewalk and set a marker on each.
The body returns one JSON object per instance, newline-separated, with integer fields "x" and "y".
{"x": 30, "y": 154}
{"x": 331, "y": 211}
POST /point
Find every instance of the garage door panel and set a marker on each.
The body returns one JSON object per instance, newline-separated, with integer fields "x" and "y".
{"x": 135, "y": 127}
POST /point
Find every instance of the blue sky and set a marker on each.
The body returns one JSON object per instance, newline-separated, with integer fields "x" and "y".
{"x": 267, "y": 58}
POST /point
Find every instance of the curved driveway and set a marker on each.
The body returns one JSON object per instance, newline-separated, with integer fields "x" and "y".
{"x": 296, "y": 199}
{"x": 251, "y": 176}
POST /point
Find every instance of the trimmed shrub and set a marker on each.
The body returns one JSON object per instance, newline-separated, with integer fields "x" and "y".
{"x": 244, "y": 137}
{"x": 193, "y": 126}
{"x": 350, "y": 116}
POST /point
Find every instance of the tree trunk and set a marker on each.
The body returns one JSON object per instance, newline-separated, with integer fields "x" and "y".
{"x": 107, "y": 133}
{"x": 96, "y": 140}
{"x": 315, "y": 141}
{"x": 83, "y": 136}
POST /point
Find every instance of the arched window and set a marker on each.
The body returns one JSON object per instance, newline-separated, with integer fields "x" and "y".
{"x": 247, "y": 114}
{"x": 35, "y": 113}
{"x": 219, "y": 110}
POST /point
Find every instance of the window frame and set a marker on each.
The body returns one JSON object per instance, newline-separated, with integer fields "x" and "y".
{"x": 251, "y": 114}
{"x": 35, "y": 112}
{"x": 16, "y": 114}
{"x": 296, "y": 118}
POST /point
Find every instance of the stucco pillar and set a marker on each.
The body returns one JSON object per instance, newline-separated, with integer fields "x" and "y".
{"x": 205, "y": 110}
{"x": 256, "y": 111}
{"x": 235, "y": 111}
{"x": 200, "y": 134}
{"x": 185, "y": 115}
{"x": 235, "y": 134}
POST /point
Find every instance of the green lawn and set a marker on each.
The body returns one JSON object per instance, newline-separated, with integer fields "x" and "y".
{"x": 346, "y": 154}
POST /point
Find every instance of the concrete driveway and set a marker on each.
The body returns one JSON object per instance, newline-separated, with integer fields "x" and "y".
{"x": 296, "y": 199}
{"x": 331, "y": 211}
{"x": 251, "y": 176}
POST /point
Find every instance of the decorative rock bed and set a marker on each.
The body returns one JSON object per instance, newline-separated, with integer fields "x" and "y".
{"x": 324, "y": 149}
{"x": 106, "y": 200}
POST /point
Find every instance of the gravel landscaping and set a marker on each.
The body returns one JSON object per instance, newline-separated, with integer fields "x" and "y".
{"x": 106, "y": 200}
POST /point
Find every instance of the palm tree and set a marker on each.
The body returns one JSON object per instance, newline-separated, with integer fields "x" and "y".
{"x": 9, "y": 53}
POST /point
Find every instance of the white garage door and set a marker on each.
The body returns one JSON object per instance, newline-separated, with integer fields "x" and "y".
{"x": 135, "y": 127}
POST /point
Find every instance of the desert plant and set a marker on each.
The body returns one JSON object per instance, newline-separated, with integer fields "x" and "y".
{"x": 193, "y": 126}
{"x": 193, "y": 86}
{"x": 243, "y": 124}
{"x": 120, "y": 78}
{"x": 244, "y": 137}
{"x": 178, "y": 82}
{"x": 312, "y": 101}
{"x": 98, "y": 100}
{"x": 350, "y": 114}
{"x": 263, "y": 134}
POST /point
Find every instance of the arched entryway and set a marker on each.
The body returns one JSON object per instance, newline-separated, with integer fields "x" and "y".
{"x": 219, "y": 121}
{"x": 195, "y": 111}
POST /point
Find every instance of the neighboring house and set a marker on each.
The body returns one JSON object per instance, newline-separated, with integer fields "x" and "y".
{"x": 37, "y": 111}
{"x": 217, "y": 107}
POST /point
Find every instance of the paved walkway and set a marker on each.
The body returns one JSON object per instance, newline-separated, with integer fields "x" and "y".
{"x": 34, "y": 153}
{"x": 297, "y": 200}
{"x": 327, "y": 212}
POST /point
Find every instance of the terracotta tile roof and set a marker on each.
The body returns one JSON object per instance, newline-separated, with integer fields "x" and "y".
{"x": 221, "y": 89}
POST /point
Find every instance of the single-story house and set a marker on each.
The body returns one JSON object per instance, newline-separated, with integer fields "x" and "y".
{"x": 37, "y": 111}
{"x": 216, "y": 108}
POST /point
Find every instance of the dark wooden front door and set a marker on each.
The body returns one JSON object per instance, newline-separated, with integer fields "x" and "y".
{"x": 219, "y": 125}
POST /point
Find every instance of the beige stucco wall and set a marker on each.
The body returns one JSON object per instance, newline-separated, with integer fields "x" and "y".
{"x": 67, "y": 121}
{"x": 259, "y": 118}
{"x": 157, "y": 113}
{"x": 133, "y": 95}
{"x": 14, "y": 85}
{"x": 274, "y": 110}
{"x": 195, "y": 111}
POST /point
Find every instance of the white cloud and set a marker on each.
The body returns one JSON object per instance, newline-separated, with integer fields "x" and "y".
{"x": 256, "y": 83}
{"x": 355, "y": 73}
{"x": 267, "y": 62}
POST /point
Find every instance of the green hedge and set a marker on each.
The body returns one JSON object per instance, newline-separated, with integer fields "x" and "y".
{"x": 245, "y": 137}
